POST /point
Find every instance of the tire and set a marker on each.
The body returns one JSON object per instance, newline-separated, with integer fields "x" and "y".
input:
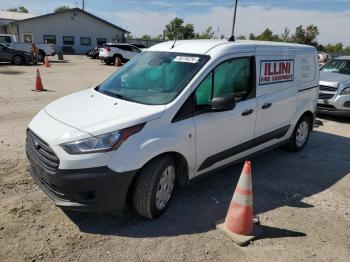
{"x": 18, "y": 60}
{"x": 158, "y": 175}
{"x": 300, "y": 134}
{"x": 41, "y": 56}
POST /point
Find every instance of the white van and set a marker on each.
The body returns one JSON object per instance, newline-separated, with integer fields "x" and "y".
{"x": 174, "y": 112}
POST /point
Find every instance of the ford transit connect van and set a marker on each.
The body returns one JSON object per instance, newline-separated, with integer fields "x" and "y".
{"x": 174, "y": 112}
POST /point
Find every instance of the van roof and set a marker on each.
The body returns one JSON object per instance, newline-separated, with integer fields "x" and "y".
{"x": 208, "y": 46}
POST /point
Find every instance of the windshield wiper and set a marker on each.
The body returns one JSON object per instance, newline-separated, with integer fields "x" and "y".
{"x": 120, "y": 96}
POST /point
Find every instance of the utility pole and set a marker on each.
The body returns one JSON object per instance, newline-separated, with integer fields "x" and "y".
{"x": 232, "y": 38}
{"x": 83, "y": 4}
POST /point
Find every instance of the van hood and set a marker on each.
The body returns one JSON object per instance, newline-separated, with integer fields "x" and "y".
{"x": 96, "y": 113}
{"x": 333, "y": 79}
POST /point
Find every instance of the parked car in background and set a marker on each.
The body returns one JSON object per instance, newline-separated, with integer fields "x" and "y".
{"x": 17, "y": 57}
{"x": 122, "y": 52}
{"x": 334, "y": 94}
{"x": 94, "y": 53}
{"x": 44, "y": 49}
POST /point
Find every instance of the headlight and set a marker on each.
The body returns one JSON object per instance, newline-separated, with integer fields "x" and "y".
{"x": 102, "y": 143}
{"x": 346, "y": 91}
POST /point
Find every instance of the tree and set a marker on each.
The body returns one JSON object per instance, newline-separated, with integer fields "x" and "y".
{"x": 285, "y": 35}
{"x": 20, "y": 9}
{"x": 338, "y": 47}
{"x": 207, "y": 34}
{"x": 173, "y": 30}
{"x": 62, "y": 8}
{"x": 268, "y": 35}
{"x": 188, "y": 31}
{"x": 251, "y": 36}
{"x": 241, "y": 37}
{"x": 146, "y": 37}
{"x": 307, "y": 36}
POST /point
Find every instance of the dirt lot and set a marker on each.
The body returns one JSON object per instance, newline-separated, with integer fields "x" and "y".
{"x": 302, "y": 199}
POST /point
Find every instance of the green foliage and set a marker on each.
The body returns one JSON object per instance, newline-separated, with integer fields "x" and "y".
{"x": 207, "y": 34}
{"x": 307, "y": 36}
{"x": 146, "y": 37}
{"x": 241, "y": 37}
{"x": 174, "y": 30}
{"x": 338, "y": 47}
{"x": 62, "y": 8}
{"x": 20, "y": 9}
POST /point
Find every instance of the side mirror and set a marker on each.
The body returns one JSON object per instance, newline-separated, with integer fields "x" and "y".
{"x": 223, "y": 103}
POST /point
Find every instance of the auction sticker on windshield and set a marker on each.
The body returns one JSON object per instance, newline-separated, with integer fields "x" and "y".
{"x": 276, "y": 71}
{"x": 187, "y": 59}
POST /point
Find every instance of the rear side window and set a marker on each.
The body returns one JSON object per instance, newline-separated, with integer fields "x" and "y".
{"x": 232, "y": 77}
{"x": 5, "y": 39}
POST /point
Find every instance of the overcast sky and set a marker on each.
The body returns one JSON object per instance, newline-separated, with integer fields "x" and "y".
{"x": 149, "y": 17}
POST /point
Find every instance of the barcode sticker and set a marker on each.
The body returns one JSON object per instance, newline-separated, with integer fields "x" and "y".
{"x": 186, "y": 59}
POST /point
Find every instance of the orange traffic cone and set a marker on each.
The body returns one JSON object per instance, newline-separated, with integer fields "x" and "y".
{"x": 238, "y": 223}
{"x": 46, "y": 62}
{"x": 38, "y": 83}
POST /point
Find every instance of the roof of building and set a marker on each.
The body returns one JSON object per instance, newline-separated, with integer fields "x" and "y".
{"x": 14, "y": 15}
{"x": 205, "y": 46}
{"x": 75, "y": 10}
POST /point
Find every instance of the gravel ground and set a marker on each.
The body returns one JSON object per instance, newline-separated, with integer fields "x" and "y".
{"x": 302, "y": 199}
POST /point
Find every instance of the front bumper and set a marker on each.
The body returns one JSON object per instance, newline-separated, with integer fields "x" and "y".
{"x": 90, "y": 190}
{"x": 106, "y": 59}
{"x": 339, "y": 105}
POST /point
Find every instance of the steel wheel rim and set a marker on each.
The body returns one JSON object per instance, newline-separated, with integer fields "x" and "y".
{"x": 302, "y": 133}
{"x": 165, "y": 187}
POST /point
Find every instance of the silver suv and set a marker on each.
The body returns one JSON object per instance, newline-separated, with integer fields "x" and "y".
{"x": 334, "y": 94}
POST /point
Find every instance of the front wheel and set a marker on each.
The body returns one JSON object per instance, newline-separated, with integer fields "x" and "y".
{"x": 18, "y": 60}
{"x": 154, "y": 187}
{"x": 300, "y": 135}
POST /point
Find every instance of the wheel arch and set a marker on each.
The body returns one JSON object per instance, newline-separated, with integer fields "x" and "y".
{"x": 182, "y": 174}
{"x": 310, "y": 116}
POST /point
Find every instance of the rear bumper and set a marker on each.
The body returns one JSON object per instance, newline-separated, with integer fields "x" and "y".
{"x": 89, "y": 190}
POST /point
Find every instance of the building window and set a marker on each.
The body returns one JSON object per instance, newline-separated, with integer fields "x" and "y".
{"x": 27, "y": 38}
{"x": 50, "y": 39}
{"x": 101, "y": 41}
{"x": 86, "y": 41}
{"x": 68, "y": 40}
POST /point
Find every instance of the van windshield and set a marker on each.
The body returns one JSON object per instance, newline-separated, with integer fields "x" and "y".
{"x": 153, "y": 78}
{"x": 340, "y": 66}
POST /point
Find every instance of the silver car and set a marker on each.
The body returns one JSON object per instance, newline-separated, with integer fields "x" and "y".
{"x": 334, "y": 94}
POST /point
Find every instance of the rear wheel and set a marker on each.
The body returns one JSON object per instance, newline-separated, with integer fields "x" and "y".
{"x": 41, "y": 56}
{"x": 300, "y": 134}
{"x": 154, "y": 187}
{"x": 18, "y": 60}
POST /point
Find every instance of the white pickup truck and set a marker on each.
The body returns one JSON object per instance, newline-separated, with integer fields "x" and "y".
{"x": 44, "y": 49}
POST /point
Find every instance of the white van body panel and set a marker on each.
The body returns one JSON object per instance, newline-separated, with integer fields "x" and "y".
{"x": 286, "y": 87}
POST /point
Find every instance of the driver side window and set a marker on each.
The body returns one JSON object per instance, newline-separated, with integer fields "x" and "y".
{"x": 232, "y": 77}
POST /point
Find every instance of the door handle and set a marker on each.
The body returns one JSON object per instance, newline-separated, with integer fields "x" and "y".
{"x": 247, "y": 112}
{"x": 266, "y": 105}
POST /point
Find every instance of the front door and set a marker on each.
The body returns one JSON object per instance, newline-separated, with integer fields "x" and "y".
{"x": 222, "y": 137}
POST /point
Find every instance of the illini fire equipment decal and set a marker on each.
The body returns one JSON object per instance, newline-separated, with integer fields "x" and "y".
{"x": 276, "y": 71}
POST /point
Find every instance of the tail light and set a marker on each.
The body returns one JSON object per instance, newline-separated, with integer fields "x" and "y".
{"x": 107, "y": 49}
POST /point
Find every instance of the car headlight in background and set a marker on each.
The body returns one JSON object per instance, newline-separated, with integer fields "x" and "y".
{"x": 102, "y": 143}
{"x": 346, "y": 91}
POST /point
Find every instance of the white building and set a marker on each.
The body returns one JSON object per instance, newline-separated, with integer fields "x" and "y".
{"x": 74, "y": 30}
{"x": 8, "y": 17}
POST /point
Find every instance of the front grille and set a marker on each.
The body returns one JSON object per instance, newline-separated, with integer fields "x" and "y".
{"x": 328, "y": 88}
{"x": 325, "y": 96}
{"x": 327, "y": 92}
{"x": 41, "y": 152}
